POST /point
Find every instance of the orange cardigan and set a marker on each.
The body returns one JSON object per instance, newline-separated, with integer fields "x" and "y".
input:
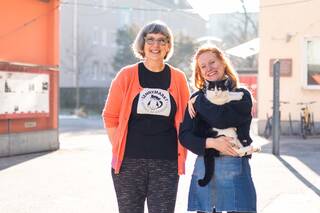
{"x": 116, "y": 113}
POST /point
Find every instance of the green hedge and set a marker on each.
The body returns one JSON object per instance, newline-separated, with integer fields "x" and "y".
{"x": 92, "y": 99}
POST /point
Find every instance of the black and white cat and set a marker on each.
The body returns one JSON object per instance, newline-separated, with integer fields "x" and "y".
{"x": 218, "y": 92}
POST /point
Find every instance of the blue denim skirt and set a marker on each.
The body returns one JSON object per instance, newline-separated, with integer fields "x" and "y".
{"x": 230, "y": 189}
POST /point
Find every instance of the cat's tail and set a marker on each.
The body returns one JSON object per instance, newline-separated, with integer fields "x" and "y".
{"x": 209, "y": 170}
{"x": 203, "y": 182}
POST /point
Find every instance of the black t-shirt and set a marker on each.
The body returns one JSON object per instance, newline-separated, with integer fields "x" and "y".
{"x": 151, "y": 131}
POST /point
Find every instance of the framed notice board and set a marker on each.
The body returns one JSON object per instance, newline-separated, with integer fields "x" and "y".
{"x": 24, "y": 94}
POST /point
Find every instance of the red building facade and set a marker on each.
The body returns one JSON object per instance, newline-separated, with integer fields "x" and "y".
{"x": 29, "y": 59}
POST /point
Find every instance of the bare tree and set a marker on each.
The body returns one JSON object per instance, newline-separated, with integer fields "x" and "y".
{"x": 184, "y": 48}
{"x": 85, "y": 52}
{"x": 124, "y": 54}
{"x": 240, "y": 28}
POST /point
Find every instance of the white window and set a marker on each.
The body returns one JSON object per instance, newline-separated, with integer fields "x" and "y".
{"x": 96, "y": 3}
{"x": 95, "y": 70}
{"x": 142, "y": 16}
{"x": 311, "y": 65}
{"x": 95, "y": 39}
{"x": 104, "y": 71}
{"x": 113, "y": 37}
{"x": 125, "y": 17}
{"x": 105, "y": 4}
{"x": 104, "y": 37}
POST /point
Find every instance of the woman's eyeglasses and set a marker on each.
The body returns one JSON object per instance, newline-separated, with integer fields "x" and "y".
{"x": 152, "y": 41}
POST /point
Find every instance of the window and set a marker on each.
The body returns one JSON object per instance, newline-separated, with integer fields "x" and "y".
{"x": 96, "y": 4}
{"x": 125, "y": 17}
{"x": 95, "y": 35}
{"x": 105, "y": 4}
{"x": 104, "y": 71}
{"x": 141, "y": 15}
{"x": 311, "y": 65}
{"x": 113, "y": 37}
{"x": 104, "y": 37}
{"x": 95, "y": 70}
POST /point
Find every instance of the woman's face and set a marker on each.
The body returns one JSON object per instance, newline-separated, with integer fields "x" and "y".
{"x": 156, "y": 46}
{"x": 211, "y": 67}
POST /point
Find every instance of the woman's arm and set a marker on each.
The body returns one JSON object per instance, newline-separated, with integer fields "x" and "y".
{"x": 187, "y": 137}
{"x": 197, "y": 144}
{"x": 191, "y": 110}
{"x": 112, "y": 107}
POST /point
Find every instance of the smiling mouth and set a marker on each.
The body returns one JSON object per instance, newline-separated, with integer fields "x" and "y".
{"x": 155, "y": 51}
{"x": 211, "y": 73}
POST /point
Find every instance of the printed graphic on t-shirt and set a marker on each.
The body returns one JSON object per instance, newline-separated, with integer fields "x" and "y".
{"x": 154, "y": 101}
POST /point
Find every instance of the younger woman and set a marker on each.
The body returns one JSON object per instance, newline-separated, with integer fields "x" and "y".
{"x": 231, "y": 189}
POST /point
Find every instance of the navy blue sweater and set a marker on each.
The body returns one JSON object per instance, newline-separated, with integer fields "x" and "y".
{"x": 192, "y": 134}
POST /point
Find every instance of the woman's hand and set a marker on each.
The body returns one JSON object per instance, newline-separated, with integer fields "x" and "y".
{"x": 191, "y": 110}
{"x": 111, "y": 133}
{"x": 222, "y": 144}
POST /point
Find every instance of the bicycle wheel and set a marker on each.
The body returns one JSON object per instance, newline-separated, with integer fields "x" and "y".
{"x": 309, "y": 125}
{"x": 313, "y": 130}
{"x": 290, "y": 125}
{"x": 267, "y": 130}
{"x": 303, "y": 128}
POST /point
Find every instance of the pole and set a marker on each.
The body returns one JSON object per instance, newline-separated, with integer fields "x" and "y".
{"x": 276, "y": 106}
{"x": 75, "y": 52}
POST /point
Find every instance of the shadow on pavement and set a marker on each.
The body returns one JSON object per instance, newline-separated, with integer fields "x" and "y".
{"x": 7, "y": 162}
{"x": 306, "y": 151}
{"x": 299, "y": 176}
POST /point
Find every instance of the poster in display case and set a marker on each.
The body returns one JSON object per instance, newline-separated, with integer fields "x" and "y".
{"x": 23, "y": 94}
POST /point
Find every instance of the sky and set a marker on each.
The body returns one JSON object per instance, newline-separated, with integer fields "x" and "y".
{"x": 207, "y": 7}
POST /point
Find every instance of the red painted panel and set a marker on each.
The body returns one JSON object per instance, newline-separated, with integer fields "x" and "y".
{"x": 250, "y": 81}
{"x": 30, "y": 32}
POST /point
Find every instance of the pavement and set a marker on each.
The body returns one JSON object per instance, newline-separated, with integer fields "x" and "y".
{"x": 76, "y": 178}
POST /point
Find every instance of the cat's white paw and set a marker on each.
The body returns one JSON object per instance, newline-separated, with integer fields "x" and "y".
{"x": 248, "y": 150}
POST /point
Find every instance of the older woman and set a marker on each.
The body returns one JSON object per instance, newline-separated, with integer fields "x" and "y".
{"x": 142, "y": 114}
{"x": 231, "y": 189}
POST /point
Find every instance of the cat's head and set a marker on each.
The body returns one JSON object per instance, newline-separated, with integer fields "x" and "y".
{"x": 221, "y": 85}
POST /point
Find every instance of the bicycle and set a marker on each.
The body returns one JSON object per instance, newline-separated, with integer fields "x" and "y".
{"x": 291, "y": 125}
{"x": 306, "y": 119}
{"x": 268, "y": 128}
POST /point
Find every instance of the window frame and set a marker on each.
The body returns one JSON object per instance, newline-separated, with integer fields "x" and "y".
{"x": 304, "y": 67}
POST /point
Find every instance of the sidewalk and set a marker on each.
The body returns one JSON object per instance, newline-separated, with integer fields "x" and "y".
{"x": 76, "y": 178}
{"x": 290, "y": 182}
